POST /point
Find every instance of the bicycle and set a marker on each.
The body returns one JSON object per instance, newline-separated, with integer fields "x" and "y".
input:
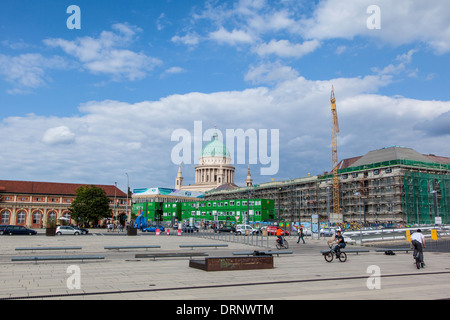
{"x": 285, "y": 244}
{"x": 329, "y": 255}
{"x": 417, "y": 258}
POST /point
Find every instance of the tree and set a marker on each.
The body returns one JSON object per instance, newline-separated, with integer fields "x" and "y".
{"x": 91, "y": 204}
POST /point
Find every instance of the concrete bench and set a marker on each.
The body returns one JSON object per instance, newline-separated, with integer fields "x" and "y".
{"x": 56, "y": 258}
{"x": 171, "y": 255}
{"x": 192, "y": 246}
{"x": 47, "y": 248}
{"x": 262, "y": 253}
{"x": 132, "y": 247}
{"x": 357, "y": 251}
{"x": 233, "y": 263}
{"x": 394, "y": 250}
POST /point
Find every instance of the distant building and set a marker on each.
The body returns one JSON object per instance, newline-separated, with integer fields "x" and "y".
{"x": 31, "y": 204}
{"x": 389, "y": 185}
{"x": 214, "y": 169}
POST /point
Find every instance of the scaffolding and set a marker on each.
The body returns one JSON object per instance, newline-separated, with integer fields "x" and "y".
{"x": 389, "y": 192}
{"x": 426, "y": 196}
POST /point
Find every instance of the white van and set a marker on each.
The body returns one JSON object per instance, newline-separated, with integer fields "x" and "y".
{"x": 243, "y": 228}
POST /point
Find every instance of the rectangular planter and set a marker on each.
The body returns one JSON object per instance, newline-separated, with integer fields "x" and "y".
{"x": 233, "y": 263}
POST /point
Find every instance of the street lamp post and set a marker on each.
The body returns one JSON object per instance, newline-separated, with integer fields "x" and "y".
{"x": 115, "y": 194}
{"x": 328, "y": 205}
{"x": 128, "y": 189}
{"x": 360, "y": 218}
{"x": 436, "y": 214}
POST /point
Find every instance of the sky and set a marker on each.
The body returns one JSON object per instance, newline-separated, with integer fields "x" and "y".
{"x": 99, "y": 92}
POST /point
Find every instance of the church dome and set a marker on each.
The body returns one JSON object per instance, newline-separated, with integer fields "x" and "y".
{"x": 215, "y": 148}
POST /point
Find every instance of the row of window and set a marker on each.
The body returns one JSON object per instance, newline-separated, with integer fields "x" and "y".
{"x": 224, "y": 213}
{"x": 366, "y": 174}
{"x": 38, "y": 199}
{"x": 21, "y": 217}
{"x": 231, "y": 203}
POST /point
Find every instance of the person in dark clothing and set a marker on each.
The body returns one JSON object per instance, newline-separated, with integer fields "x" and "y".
{"x": 300, "y": 235}
{"x": 339, "y": 240}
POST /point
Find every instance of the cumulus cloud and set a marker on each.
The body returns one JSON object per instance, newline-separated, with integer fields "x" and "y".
{"x": 232, "y": 38}
{"x": 28, "y": 71}
{"x": 108, "y": 138}
{"x": 439, "y": 126}
{"x": 402, "y": 22}
{"x": 58, "y": 135}
{"x": 106, "y": 54}
{"x": 285, "y": 49}
{"x": 190, "y": 39}
{"x": 270, "y": 73}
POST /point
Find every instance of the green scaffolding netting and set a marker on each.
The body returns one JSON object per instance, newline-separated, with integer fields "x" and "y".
{"x": 425, "y": 196}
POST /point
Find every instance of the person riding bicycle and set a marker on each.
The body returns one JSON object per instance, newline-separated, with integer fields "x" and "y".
{"x": 279, "y": 236}
{"x": 339, "y": 240}
{"x": 418, "y": 243}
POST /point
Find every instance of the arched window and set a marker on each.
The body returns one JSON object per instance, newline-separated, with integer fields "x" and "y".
{"x": 37, "y": 217}
{"x": 5, "y": 217}
{"x": 52, "y": 216}
{"x": 21, "y": 217}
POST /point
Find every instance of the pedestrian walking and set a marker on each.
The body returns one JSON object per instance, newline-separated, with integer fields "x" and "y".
{"x": 300, "y": 235}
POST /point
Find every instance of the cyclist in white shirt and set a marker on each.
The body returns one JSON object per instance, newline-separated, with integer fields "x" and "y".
{"x": 418, "y": 243}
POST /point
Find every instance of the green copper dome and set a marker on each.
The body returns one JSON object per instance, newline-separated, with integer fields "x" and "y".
{"x": 215, "y": 148}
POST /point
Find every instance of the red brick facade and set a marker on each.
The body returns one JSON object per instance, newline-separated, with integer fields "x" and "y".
{"x": 30, "y": 204}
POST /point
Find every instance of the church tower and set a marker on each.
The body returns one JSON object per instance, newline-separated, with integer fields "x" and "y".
{"x": 179, "y": 179}
{"x": 249, "y": 180}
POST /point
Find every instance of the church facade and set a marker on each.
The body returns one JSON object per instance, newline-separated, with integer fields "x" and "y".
{"x": 213, "y": 171}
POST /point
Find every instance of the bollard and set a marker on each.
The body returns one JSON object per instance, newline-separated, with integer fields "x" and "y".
{"x": 179, "y": 232}
{"x": 168, "y": 232}
{"x": 158, "y": 232}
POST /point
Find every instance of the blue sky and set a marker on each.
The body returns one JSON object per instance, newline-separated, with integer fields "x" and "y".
{"x": 89, "y": 105}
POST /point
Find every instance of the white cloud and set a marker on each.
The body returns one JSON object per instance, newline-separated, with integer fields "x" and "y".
{"x": 106, "y": 55}
{"x": 58, "y": 135}
{"x": 285, "y": 49}
{"x": 270, "y": 73}
{"x": 108, "y": 138}
{"x": 175, "y": 70}
{"x": 402, "y": 22}
{"x": 232, "y": 38}
{"x": 190, "y": 39}
{"x": 28, "y": 71}
{"x": 394, "y": 69}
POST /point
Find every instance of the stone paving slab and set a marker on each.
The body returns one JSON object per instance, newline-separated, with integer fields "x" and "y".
{"x": 302, "y": 275}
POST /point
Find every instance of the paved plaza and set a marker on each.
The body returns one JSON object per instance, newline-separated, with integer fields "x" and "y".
{"x": 301, "y": 275}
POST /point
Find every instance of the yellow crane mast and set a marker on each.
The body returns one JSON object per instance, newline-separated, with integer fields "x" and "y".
{"x": 334, "y": 131}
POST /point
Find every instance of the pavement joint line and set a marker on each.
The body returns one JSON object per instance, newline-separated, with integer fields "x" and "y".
{"x": 218, "y": 286}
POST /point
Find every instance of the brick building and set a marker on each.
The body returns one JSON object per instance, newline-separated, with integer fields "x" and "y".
{"x": 31, "y": 204}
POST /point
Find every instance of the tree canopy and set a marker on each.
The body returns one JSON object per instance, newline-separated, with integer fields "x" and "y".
{"x": 90, "y": 205}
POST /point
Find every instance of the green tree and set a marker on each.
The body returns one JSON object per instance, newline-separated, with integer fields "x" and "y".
{"x": 90, "y": 205}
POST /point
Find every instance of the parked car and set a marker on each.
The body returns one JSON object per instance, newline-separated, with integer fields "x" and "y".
{"x": 82, "y": 230}
{"x": 67, "y": 230}
{"x": 225, "y": 229}
{"x": 327, "y": 232}
{"x": 11, "y": 230}
{"x": 189, "y": 229}
{"x": 153, "y": 229}
{"x": 243, "y": 228}
{"x": 272, "y": 230}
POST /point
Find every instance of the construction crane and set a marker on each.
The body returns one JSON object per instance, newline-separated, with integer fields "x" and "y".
{"x": 334, "y": 132}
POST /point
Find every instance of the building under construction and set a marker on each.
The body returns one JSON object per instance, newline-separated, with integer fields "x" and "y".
{"x": 386, "y": 186}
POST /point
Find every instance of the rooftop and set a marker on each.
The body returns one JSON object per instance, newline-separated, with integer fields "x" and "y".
{"x": 52, "y": 188}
